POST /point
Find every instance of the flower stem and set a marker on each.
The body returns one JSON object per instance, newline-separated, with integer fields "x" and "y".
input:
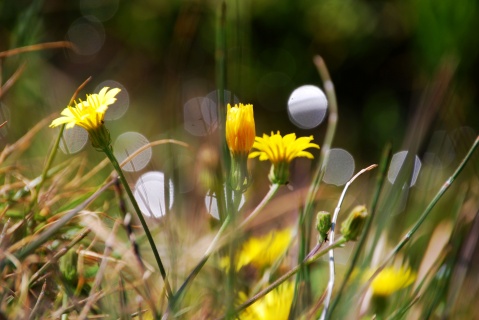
{"x": 272, "y": 191}
{"x": 116, "y": 165}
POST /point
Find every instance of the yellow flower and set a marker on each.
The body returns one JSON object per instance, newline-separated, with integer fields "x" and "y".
{"x": 240, "y": 129}
{"x": 390, "y": 280}
{"x": 87, "y": 114}
{"x": 262, "y": 252}
{"x": 275, "y": 305}
{"x": 240, "y": 133}
{"x": 280, "y": 151}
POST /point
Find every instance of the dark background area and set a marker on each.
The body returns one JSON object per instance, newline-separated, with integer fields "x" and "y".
{"x": 382, "y": 57}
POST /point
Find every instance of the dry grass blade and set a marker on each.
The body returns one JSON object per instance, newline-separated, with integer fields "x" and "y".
{"x": 37, "y": 47}
{"x": 10, "y": 82}
{"x": 39, "y": 301}
{"x": 24, "y": 142}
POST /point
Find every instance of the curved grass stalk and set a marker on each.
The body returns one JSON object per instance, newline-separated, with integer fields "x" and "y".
{"x": 383, "y": 165}
{"x": 152, "y": 144}
{"x": 332, "y": 276}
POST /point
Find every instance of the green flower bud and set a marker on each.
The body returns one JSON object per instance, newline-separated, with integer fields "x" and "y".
{"x": 68, "y": 265}
{"x": 353, "y": 225}
{"x": 323, "y": 225}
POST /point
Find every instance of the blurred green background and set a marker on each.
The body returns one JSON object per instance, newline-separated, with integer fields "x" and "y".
{"x": 382, "y": 55}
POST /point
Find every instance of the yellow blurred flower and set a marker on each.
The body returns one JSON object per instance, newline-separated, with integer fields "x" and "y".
{"x": 273, "y": 306}
{"x": 262, "y": 252}
{"x": 280, "y": 151}
{"x": 240, "y": 128}
{"x": 87, "y": 114}
{"x": 391, "y": 279}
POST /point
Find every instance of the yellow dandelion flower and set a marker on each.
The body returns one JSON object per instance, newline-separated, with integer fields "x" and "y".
{"x": 262, "y": 252}
{"x": 240, "y": 133}
{"x": 390, "y": 280}
{"x": 280, "y": 151}
{"x": 273, "y": 306}
{"x": 89, "y": 114}
{"x": 240, "y": 128}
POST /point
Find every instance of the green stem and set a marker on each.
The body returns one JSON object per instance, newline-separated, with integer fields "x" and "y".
{"x": 272, "y": 191}
{"x": 116, "y": 165}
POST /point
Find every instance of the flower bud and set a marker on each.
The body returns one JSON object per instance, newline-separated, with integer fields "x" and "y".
{"x": 240, "y": 135}
{"x": 323, "y": 225}
{"x": 353, "y": 225}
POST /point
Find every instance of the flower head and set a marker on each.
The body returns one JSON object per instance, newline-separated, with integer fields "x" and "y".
{"x": 275, "y": 305}
{"x": 240, "y": 129}
{"x": 390, "y": 280}
{"x": 262, "y": 252}
{"x": 281, "y": 151}
{"x": 89, "y": 114}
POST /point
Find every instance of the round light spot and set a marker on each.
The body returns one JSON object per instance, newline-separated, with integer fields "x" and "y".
{"x": 102, "y": 10}
{"x": 150, "y": 194}
{"x": 307, "y": 107}
{"x": 119, "y": 108}
{"x": 87, "y": 34}
{"x": 396, "y": 163}
{"x": 340, "y": 167}
{"x": 212, "y": 204}
{"x": 200, "y": 116}
{"x": 126, "y": 144}
{"x": 73, "y": 140}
